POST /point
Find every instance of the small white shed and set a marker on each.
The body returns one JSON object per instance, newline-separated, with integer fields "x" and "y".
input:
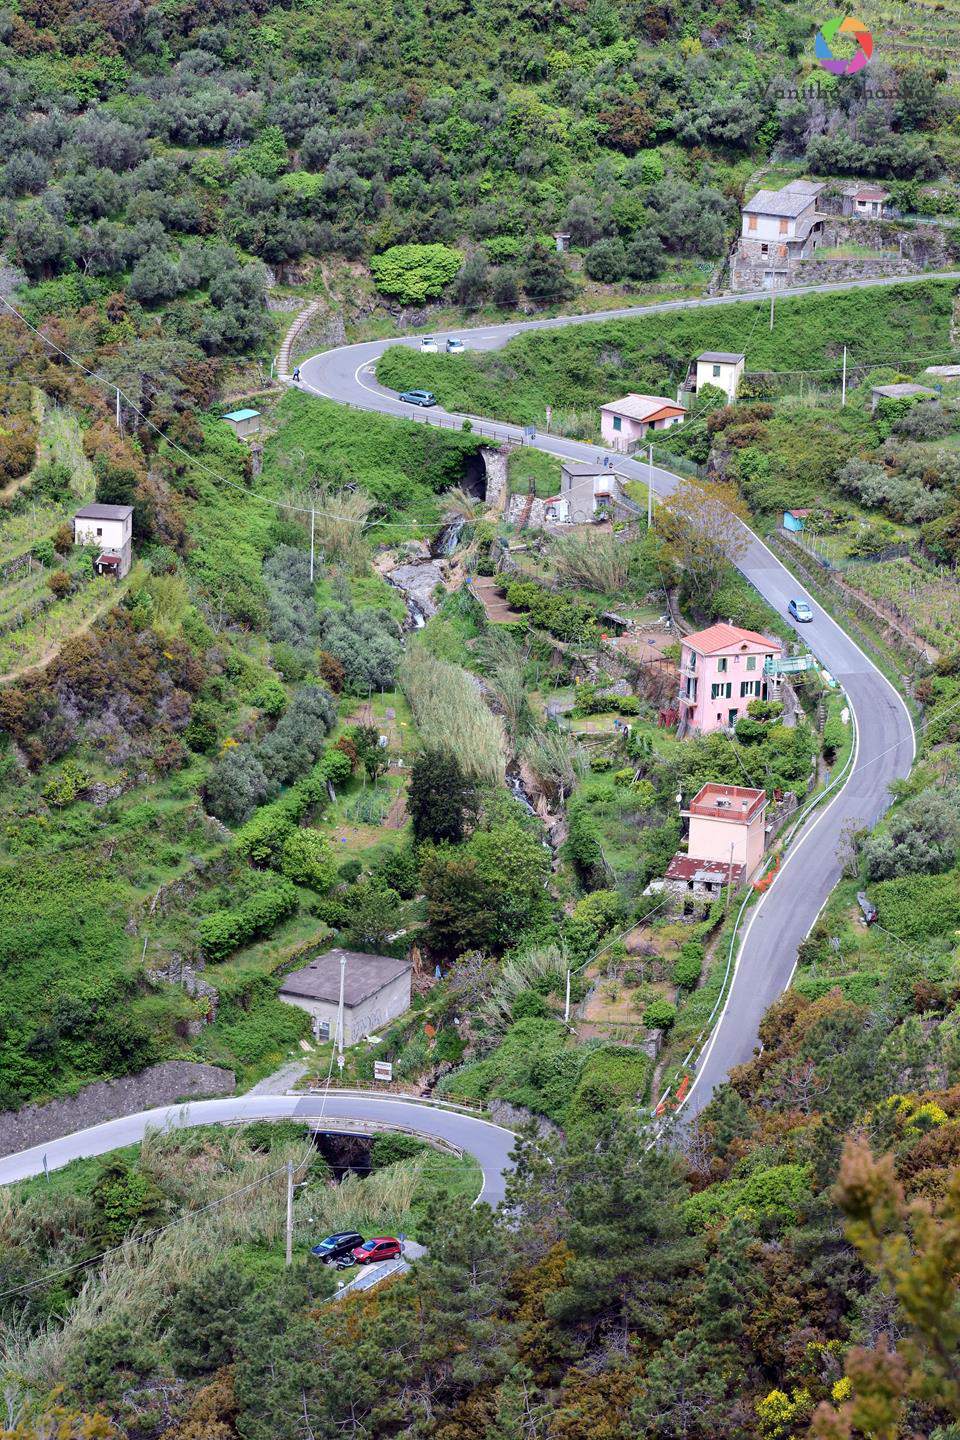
{"x": 110, "y": 529}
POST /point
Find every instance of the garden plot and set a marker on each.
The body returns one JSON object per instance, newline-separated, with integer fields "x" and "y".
{"x": 927, "y": 600}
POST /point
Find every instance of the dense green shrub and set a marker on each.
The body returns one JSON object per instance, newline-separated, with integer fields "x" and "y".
{"x": 918, "y": 907}
{"x": 414, "y": 273}
{"x": 688, "y": 965}
{"x": 565, "y": 618}
{"x": 659, "y": 1015}
{"x": 223, "y": 931}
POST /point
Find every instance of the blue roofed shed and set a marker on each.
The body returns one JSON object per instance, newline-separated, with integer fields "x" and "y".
{"x": 243, "y": 422}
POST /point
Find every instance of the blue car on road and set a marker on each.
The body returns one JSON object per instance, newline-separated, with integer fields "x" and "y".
{"x": 800, "y": 611}
{"x": 418, "y": 397}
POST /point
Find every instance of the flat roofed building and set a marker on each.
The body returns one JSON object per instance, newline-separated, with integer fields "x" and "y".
{"x": 243, "y": 423}
{"x": 727, "y": 825}
{"x": 110, "y": 529}
{"x": 376, "y": 989}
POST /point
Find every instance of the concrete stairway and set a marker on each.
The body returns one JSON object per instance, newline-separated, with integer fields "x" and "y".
{"x": 301, "y": 321}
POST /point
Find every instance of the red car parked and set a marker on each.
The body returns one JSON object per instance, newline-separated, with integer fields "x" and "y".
{"x": 380, "y": 1247}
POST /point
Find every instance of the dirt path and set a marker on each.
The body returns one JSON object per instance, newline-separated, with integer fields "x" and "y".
{"x": 52, "y": 651}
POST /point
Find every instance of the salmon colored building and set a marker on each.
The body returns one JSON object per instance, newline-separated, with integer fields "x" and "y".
{"x": 624, "y": 423}
{"x": 722, "y": 669}
{"x": 727, "y": 825}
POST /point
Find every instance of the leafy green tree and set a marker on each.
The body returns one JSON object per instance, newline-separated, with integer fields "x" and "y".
{"x": 376, "y": 913}
{"x": 606, "y": 261}
{"x": 545, "y": 277}
{"x": 415, "y": 273}
{"x": 308, "y": 859}
{"x": 441, "y": 800}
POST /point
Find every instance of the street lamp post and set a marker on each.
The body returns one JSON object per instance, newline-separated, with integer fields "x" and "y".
{"x": 343, "y": 969}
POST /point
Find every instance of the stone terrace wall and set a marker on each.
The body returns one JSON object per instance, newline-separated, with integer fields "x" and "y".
{"x": 162, "y": 1084}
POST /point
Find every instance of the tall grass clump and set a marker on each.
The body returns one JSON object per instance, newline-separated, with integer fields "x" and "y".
{"x": 592, "y": 562}
{"x": 522, "y": 972}
{"x": 449, "y": 710}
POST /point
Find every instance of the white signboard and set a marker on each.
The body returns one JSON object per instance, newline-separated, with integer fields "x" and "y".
{"x": 383, "y": 1070}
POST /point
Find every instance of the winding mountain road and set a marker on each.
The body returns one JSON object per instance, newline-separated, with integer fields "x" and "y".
{"x": 885, "y": 745}
{"x": 884, "y": 751}
{"x": 489, "y": 1144}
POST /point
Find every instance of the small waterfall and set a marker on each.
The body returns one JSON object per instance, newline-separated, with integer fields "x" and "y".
{"x": 449, "y": 537}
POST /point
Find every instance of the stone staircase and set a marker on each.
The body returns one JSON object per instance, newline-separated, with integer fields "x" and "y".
{"x": 301, "y": 321}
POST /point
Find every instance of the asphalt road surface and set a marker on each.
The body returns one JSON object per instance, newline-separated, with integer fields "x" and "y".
{"x": 783, "y": 917}
{"x": 885, "y": 740}
{"x": 489, "y": 1144}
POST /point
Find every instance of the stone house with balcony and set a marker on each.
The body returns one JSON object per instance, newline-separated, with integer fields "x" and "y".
{"x": 780, "y": 228}
{"x": 722, "y": 669}
{"x": 586, "y": 494}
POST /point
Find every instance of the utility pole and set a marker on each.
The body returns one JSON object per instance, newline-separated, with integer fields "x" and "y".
{"x": 566, "y": 1003}
{"x": 343, "y": 969}
{"x": 312, "y": 515}
{"x": 843, "y": 397}
{"x": 650, "y": 487}
{"x": 289, "y": 1258}
{"x": 726, "y": 907}
{"x": 772, "y": 299}
{"x": 119, "y": 420}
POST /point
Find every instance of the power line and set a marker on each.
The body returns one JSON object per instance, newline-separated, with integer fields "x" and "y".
{"x": 142, "y": 1238}
{"x": 192, "y": 459}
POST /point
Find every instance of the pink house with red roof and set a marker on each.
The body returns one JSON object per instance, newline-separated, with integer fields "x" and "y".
{"x": 721, "y": 671}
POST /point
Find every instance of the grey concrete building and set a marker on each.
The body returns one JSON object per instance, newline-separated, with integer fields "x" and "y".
{"x": 376, "y": 990}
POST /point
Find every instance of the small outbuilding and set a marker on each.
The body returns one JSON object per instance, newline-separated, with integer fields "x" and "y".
{"x": 795, "y": 520}
{"x": 866, "y": 200}
{"x": 722, "y": 368}
{"x": 243, "y": 423}
{"x": 110, "y": 529}
{"x": 907, "y": 391}
{"x": 376, "y": 989}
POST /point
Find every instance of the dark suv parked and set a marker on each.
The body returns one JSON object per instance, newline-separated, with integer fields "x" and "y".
{"x": 335, "y": 1247}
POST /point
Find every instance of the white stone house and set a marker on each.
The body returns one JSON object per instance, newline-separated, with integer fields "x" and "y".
{"x": 110, "y": 529}
{"x": 376, "y": 989}
{"x": 722, "y": 368}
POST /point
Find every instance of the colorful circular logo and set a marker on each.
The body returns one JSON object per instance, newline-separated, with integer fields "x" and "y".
{"x": 856, "y": 30}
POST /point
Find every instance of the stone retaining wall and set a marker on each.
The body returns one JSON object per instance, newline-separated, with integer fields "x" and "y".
{"x": 162, "y": 1084}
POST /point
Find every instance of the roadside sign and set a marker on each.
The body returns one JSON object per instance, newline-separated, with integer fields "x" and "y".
{"x": 383, "y": 1069}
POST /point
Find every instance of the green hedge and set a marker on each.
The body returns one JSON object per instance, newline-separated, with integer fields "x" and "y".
{"x": 919, "y": 907}
{"x": 224, "y": 931}
{"x": 261, "y": 838}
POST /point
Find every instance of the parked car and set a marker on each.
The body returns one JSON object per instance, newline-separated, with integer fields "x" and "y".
{"x": 428, "y": 346}
{"x": 381, "y": 1247}
{"x": 337, "y": 1247}
{"x": 455, "y": 347}
{"x": 867, "y": 907}
{"x": 800, "y": 611}
{"x": 419, "y": 397}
